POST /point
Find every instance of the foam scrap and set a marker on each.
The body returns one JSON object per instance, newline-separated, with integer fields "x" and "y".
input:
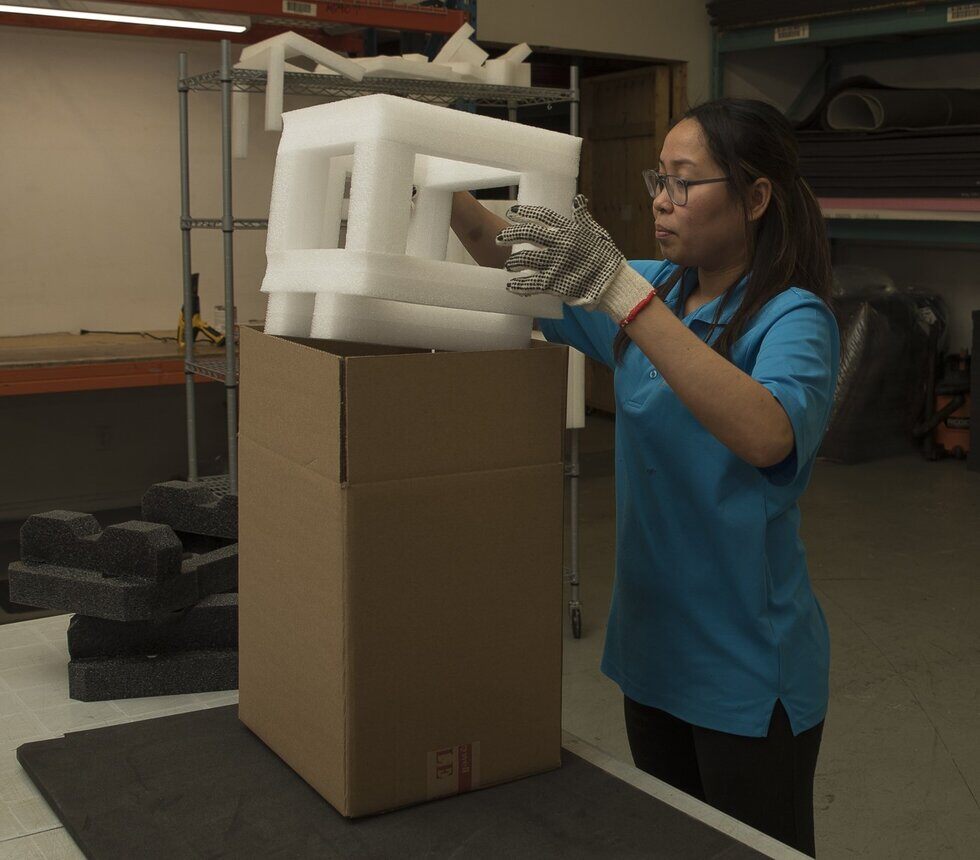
{"x": 100, "y": 679}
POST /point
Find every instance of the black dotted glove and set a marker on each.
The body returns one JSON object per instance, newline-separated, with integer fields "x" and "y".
{"x": 577, "y": 260}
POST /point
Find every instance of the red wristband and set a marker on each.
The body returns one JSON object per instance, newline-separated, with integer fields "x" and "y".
{"x": 632, "y": 315}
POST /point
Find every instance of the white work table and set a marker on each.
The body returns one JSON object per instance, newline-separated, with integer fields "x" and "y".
{"x": 34, "y": 705}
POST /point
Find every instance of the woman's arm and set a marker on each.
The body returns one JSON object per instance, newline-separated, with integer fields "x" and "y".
{"x": 477, "y": 227}
{"x": 740, "y": 412}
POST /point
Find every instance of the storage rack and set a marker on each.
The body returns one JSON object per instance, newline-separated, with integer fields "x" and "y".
{"x": 901, "y": 32}
{"x": 227, "y": 80}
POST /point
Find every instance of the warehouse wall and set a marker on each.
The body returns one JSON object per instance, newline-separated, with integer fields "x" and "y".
{"x": 778, "y": 76}
{"x": 89, "y": 234}
{"x": 655, "y": 29}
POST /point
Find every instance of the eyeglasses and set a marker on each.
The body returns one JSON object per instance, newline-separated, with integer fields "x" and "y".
{"x": 675, "y": 185}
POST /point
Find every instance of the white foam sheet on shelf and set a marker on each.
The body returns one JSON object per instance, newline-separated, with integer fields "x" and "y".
{"x": 364, "y": 320}
{"x": 400, "y": 278}
{"x": 575, "y": 398}
{"x": 517, "y": 54}
{"x": 271, "y": 55}
{"x": 460, "y": 49}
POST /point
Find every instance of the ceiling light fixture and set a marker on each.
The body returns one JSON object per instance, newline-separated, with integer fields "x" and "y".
{"x": 153, "y": 16}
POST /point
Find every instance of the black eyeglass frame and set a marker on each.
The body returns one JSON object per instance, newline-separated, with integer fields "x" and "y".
{"x": 653, "y": 178}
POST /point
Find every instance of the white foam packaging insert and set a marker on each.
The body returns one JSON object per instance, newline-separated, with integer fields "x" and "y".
{"x": 392, "y": 283}
{"x": 460, "y": 60}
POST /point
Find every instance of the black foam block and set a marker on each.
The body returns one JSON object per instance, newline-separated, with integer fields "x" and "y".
{"x": 202, "y": 785}
{"x": 88, "y": 592}
{"x": 216, "y": 571}
{"x": 99, "y": 679}
{"x": 147, "y": 551}
{"x": 190, "y": 507}
{"x": 212, "y": 623}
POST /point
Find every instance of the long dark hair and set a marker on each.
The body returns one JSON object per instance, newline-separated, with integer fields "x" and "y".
{"x": 788, "y": 245}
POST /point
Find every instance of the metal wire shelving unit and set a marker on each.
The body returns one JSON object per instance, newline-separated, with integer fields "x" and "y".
{"x": 227, "y": 80}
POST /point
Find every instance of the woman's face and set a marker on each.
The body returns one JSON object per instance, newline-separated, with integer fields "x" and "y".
{"x": 708, "y": 232}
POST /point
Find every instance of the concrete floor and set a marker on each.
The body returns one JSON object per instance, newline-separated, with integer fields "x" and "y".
{"x": 894, "y": 549}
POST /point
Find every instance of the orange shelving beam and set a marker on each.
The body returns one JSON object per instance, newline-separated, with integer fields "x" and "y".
{"x": 93, "y": 376}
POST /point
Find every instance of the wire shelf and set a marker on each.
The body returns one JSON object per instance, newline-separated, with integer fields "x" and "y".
{"x": 216, "y": 224}
{"x": 338, "y": 87}
{"x": 220, "y": 485}
{"x": 213, "y": 367}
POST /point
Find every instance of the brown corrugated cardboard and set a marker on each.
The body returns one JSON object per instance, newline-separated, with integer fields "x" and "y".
{"x": 400, "y": 563}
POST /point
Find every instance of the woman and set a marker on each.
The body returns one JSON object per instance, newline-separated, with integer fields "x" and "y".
{"x": 725, "y": 357}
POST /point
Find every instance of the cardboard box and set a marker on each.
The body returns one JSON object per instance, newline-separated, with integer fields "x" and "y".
{"x": 400, "y": 566}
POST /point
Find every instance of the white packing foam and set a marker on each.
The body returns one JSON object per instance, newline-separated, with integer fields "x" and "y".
{"x": 364, "y": 320}
{"x": 428, "y": 230}
{"x": 289, "y": 314}
{"x": 271, "y": 55}
{"x": 503, "y": 73}
{"x": 470, "y": 52}
{"x": 517, "y": 54}
{"x": 459, "y": 48}
{"x": 399, "y": 67}
{"x": 431, "y": 130}
{"x": 294, "y": 45}
{"x": 395, "y": 253}
{"x": 400, "y": 278}
{"x": 449, "y": 175}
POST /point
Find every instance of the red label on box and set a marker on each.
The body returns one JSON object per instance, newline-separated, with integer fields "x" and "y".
{"x": 453, "y": 770}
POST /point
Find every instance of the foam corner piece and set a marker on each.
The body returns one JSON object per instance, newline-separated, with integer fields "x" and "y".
{"x": 337, "y": 128}
{"x": 293, "y": 45}
{"x": 210, "y": 623}
{"x": 99, "y": 679}
{"x": 187, "y": 506}
{"x": 352, "y": 318}
{"x": 409, "y": 280}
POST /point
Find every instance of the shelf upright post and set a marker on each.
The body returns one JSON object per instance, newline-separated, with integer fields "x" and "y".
{"x": 512, "y": 117}
{"x": 185, "y": 244}
{"x": 574, "y": 602}
{"x": 228, "y": 231}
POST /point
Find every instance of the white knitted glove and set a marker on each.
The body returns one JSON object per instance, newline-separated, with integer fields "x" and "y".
{"x": 578, "y": 260}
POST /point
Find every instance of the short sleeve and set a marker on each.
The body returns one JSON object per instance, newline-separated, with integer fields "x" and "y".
{"x": 593, "y": 332}
{"x": 797, "y": 362}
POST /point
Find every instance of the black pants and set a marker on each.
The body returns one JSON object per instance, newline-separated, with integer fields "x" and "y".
{"x": 765, "y": 782}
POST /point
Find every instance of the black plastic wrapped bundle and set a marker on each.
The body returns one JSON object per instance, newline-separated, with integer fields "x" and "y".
{"x": 884, "y": 349}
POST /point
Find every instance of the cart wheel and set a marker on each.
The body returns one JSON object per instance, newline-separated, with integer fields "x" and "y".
{"x": 577, "y": 622}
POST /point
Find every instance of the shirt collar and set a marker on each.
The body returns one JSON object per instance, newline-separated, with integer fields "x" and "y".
{"x": 706, "y": 313}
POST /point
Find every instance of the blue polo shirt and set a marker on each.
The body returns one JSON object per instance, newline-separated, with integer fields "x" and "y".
{"x": 713, "y": 617}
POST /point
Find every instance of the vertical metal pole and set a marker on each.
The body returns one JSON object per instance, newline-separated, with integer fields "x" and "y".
{"x": 228, "y": 232}
{"x": 717, "y": 69}
{"x": 573, "y": 85}
{"x": 512, "y": 117}
{"x": 574, "y": 604}
{"x": 185, "y": 245}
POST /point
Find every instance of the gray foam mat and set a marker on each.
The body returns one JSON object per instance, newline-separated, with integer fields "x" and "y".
{"x": 202, "y": 785}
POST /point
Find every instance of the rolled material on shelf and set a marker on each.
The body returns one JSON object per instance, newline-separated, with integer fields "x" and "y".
{"x": 873, "y": 109}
